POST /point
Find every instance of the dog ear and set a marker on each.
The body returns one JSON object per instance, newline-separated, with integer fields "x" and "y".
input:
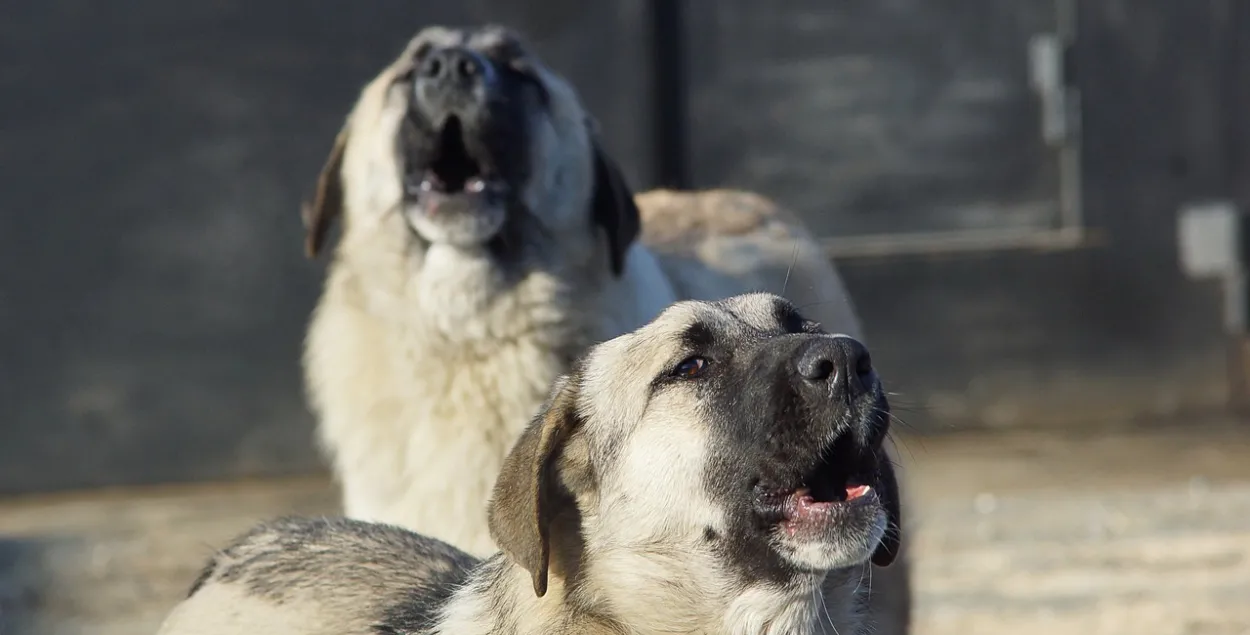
{"x": 887, "y": 550}
{"x": 528, "y": 494}
{"x": 327, "y": 202}
{"x": 613, "y": 208}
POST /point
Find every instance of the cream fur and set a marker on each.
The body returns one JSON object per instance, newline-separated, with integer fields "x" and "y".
{"x": 422, "y": 368}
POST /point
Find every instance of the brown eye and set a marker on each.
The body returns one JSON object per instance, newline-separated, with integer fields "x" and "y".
{"x": 690, "y": 368}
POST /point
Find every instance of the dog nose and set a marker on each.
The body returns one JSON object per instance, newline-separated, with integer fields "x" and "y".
{"x": 452, "y": 68}
{"x": 841, "y": 360}
{"x": 452, "y": 81}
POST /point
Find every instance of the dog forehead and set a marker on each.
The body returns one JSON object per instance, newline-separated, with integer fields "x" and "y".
{"x": 683, "y": 328}
{"x": 768, "y": 314}
{"x": 740, "y": 316}
{"x": 638, "y": 352}
{"x": 763, "y": 311}
{"x": 690, "y": 324}
{"x": 677, "y": 322}
{"x": 492, "y": 39}
{"x": 437, "y": 35}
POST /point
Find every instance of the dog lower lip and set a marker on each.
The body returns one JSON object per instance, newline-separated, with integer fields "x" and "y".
{"x": 800, "y": 513}
{"x": 843, "y": 476}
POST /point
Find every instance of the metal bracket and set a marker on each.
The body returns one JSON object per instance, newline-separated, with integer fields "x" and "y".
{"x": 1213, "y": 241}
{"x": 1051, "y": 75}
{"x": 1209, "y": 246}
{"x": 1047, "y": 78}
{"x": 1049, "y": 68}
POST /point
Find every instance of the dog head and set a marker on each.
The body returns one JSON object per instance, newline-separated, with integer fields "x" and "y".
{"x": 733, "y": 440}
{"x": 468, "y": 143}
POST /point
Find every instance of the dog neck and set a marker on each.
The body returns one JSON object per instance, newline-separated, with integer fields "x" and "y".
{"x": 684, "y": 588}
{"x": 464, "y": 298}
{"x": 499, "y": 598}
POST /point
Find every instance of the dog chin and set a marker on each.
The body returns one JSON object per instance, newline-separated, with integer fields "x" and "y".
{"x": 848, "y": 543}
{"x": 456, "y": 223}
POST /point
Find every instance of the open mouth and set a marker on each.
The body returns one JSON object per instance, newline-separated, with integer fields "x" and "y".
{"x": 453, "y": 168}
{"x": 841, "y": 480}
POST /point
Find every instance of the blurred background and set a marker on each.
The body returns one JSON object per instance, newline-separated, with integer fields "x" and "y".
{"x": 1035, "y": 204}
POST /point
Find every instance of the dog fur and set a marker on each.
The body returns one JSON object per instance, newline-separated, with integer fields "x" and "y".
{"x": 428, "y": 351}
{"x": 647, "y": 496}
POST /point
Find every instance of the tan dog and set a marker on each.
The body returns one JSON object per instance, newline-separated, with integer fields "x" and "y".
{"x": 488, "y": 240}
{"x": 719, "y": 470}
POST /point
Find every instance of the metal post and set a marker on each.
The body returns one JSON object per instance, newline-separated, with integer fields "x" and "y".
{"x": 670, "y": 163}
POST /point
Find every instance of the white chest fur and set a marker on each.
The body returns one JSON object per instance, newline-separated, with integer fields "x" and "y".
{"x": 422, "y": 390}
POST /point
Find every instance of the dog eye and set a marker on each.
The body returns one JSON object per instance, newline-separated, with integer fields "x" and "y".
{"x": 691, "y": 367}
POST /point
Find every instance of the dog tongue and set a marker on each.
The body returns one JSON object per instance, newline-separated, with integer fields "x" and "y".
{"x": 856, "y": 491}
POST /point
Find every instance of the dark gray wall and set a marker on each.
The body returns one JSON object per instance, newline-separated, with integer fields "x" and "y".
{"x": 874, "y": 117}
{"x": 914, "y": 115}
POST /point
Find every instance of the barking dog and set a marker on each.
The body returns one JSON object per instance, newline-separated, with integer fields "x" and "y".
{"x": 719, "y": 470}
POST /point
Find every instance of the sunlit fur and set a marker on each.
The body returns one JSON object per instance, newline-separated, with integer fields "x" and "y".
{"x": 629, "y": 547}
{"x": 423, "y": 362}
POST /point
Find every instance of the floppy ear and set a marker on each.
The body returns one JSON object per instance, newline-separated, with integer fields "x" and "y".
{"x": 613, "y": 207}
{"x": 327, "y": 203}
{"x": 528, "y": 494}
{"x": 888, "y": 549}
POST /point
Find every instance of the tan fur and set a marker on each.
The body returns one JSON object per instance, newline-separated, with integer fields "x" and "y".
{"x": 603, "y": 508}
{"x": 422, "y": 368}
{"x": 717, "y": 243}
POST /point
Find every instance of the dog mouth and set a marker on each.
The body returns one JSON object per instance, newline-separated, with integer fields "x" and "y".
{"x": 454, "y": 168}
{"x": 842, "y": 481}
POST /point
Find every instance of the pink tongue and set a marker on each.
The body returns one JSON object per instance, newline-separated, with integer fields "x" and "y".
{"x": 855, "y": 492}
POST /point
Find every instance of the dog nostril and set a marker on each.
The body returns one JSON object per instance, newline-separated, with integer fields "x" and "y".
{"x": 823, "y": 370}
{"x": 815, "y": 368}
{"x": 432, "y": 67}
{"x": 863, "y": 366}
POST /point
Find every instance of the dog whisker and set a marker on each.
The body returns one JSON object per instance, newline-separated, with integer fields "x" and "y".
{"x": 896, "y": 442}
{"x": 794, "y": 258}
{"x": 894, "y": 418}
{"x": 824, "y": 607}
{"x": 908, "y": 407}
{"x": 863, "y": 569}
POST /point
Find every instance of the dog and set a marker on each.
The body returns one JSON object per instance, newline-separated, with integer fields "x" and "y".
{"x": 488, "y": 239}
{"x": 719, "y": 470}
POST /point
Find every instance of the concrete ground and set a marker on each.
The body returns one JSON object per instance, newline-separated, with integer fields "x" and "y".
{"x": 1145, "y": 532}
